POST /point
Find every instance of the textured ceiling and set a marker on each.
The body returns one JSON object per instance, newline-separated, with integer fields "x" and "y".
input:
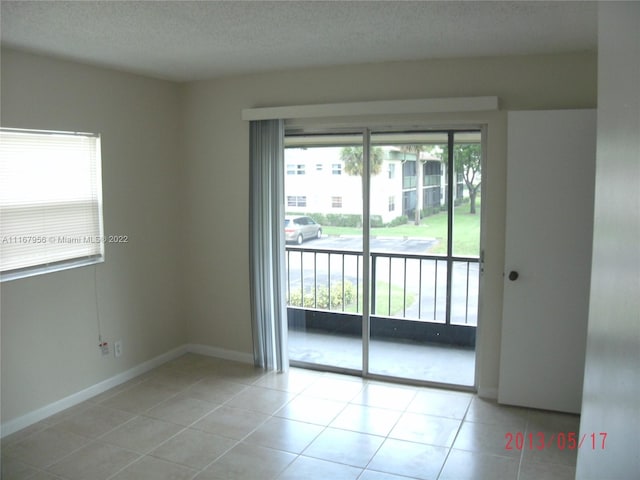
{"x": 185, "y": 40}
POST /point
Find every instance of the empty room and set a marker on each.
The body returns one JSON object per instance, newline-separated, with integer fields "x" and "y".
{"x": 364, "y": 240}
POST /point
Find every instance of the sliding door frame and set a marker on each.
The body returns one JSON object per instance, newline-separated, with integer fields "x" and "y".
{"x": 366, "y": 250}
{"x": 366, "y": 132}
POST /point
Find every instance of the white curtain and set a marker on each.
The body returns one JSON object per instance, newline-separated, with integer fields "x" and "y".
{"x": 268, "y": 305}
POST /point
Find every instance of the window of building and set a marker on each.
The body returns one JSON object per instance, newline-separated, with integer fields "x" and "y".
{"x": 392, "y": 203}
{"x": 318, "y": 167}
{"x": 336, "y": 202}
{"x": 296, "y": 169}
{"x": 297, "y": 201}
{"x": 392, "y": 170}
{"x": 50, "y": 202}
{"x": 336, "y": 169}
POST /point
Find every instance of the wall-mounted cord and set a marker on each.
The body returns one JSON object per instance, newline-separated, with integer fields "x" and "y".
{"x": 103, "y": 345}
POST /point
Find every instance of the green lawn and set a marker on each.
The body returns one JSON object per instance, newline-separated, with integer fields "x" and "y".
{"x": 383, "y": 307}
{"x": 382, "y": 300}
{"x": 466, "y": 231}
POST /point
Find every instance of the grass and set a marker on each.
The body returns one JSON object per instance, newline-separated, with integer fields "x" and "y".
{"x": 382, "y": 300}
{"x": 466, "y": 231}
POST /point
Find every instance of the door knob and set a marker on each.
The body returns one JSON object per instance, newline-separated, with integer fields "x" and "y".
{"x": 513, "y": 275}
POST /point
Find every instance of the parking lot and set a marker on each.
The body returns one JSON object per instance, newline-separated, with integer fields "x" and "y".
{"x": 340, "y": 258}
{"x": 378, "y": 244}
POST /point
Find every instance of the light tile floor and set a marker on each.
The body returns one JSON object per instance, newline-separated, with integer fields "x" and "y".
{"x": 200, "y": 418}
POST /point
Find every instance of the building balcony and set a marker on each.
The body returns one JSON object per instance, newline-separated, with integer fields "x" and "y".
{"x": 413, "y": 335}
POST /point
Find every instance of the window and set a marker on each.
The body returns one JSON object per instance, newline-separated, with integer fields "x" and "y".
{"x": 296, "y": 201}
{"x": 50, "y": 202}
{"x": 392, "y": 170}
{"x": 336, "y": 169}
{"x": 293, "y": 169}
{"x": 336, "y": 202}
{"x": 318, "y": 167}
{"x": 392, "y": 203}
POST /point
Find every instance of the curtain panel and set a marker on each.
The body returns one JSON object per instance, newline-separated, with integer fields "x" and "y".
{"x": 267, "y": 270}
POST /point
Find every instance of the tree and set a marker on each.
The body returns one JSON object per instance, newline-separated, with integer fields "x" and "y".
{"x": 467, "y": 159}
{"x": 352, "y": 158}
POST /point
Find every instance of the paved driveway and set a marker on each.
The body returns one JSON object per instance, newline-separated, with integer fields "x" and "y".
{"x": 425, "y": 280}
{"x": 378, "y": 244}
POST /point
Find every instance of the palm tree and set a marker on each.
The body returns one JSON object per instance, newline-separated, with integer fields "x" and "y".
{"x": 352, "y": 158}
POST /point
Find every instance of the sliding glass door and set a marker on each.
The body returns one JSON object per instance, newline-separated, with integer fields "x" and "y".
{"x": 385, "y": 282}
{"x": 324, "y": 258}
{"x": 425, "y": 247}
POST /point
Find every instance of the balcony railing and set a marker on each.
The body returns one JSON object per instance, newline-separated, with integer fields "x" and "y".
{"x": 408, "y": 291}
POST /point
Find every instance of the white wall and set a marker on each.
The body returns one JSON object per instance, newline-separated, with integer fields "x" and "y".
{"x": 216, "y": 167}
{"x": 611, "y": 394}
{"x": 49, "y": 329}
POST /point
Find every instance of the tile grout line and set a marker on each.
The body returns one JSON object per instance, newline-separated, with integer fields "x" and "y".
{"x": 198, "y": 471}
{"x": 462, "y": 420}
{"x": 324, "y": 427}
{"x": 238, "y": 377}
{"x": 271, "y": 416}
{"x": 386, "y": 437}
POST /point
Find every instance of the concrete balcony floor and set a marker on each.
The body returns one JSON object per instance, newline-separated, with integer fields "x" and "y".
{"x": 405, "y": 360}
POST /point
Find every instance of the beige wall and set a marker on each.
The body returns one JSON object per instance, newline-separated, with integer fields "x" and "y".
{"x": 175, "y": 179}
{"x": 216, "y": 170}
{"x": 49, "y": 329}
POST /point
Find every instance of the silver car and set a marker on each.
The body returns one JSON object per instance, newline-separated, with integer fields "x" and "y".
{"x": 299, "y": 229}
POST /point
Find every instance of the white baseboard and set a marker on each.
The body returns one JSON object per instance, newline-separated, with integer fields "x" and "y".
{"x": 40, "y": 414}
{"x": 35, "y": 416}
{"x": 30, "y": 418}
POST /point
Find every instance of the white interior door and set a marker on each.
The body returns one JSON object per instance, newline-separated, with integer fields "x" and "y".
{"x": 549, "y": 231}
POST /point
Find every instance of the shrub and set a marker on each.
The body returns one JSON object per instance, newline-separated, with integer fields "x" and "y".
{"x": 344, "y": 220}
{"x": 295, "y": 299}
{"x": 318, "y": 217}
{"x": 430, "y": 211}
{"x": 376, "y": 221}
{"x": 321, "y": 299}
{"x": 402, "y": 220}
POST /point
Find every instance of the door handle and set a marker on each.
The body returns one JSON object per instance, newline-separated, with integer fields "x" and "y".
{"x": 513, "y": 275}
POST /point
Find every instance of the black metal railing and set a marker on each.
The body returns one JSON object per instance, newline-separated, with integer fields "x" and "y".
{"x": 427, "y": 288}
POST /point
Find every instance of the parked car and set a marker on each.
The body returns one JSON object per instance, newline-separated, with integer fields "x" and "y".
{"x": 299, "y": 229}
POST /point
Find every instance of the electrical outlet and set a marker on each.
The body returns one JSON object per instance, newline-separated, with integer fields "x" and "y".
{"x": 104, "y": 347}
{"x": 117, "y": 348}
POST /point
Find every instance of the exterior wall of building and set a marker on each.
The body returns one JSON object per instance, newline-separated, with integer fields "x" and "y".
{"x": 316, "y": 182}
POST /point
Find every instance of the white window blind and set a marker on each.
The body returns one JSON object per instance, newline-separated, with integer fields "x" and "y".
{"x": 50, "y": 201}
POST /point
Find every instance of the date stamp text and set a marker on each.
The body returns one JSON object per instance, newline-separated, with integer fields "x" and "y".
{"x": 559, "y": 440}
